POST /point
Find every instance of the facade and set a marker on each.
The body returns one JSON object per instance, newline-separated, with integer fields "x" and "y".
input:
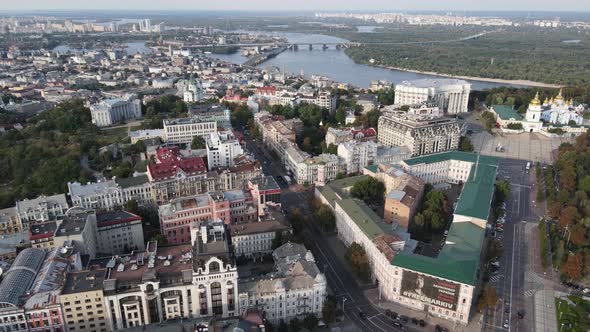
{"x": 41, "y": 208}
{"x": 403, "y": 193}
{"x": 82, "y": 300}
{"x": 222, "y": 149}
{"x": 265, "y": 192}
{"x": 254, "y": 239}
{"x": 355, "y": 156}
{"x": 337, "y": 136}
{"x": 77, "y": 229}
{"x": 177, "y": 216}
{"x": 193, "y": 91}
{"x": 450, "y": 95}
{"x": 189, "y": 281}
{"x": 173, "y": 175}
{"x": 421, "y": 134}
{"x": 212, "y": 113}
{"x": 10, "y": 222}
{"x": 182, "y": 131}
{"x": 119, "y": 232}
{"x": 111, "y": 194}
{"x": 294, "y": 289}
{"x": 112, "y": 111}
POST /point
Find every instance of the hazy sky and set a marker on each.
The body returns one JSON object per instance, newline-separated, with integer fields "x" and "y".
{"x": 257, "y": 5}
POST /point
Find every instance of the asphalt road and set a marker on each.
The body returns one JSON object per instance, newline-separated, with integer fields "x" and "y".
{"x": 510, "y": 279}
{"x": 350, "y": 296}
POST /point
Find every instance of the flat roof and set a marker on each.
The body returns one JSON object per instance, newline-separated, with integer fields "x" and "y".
{"x": 84, "y": 281}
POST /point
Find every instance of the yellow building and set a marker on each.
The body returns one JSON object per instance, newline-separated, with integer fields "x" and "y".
{"x": 82, "y": 301}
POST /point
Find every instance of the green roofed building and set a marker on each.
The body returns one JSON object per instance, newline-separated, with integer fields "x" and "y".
{"x": 444, "y": 285}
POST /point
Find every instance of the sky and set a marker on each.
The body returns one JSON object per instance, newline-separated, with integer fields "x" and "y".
{"x": 302, "y": 5}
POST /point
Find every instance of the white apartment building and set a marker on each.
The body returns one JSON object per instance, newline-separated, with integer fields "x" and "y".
{"x": 222, "y": 148}
{"x": 295, "y": 289}
{"x": 421, "y": 134}
{"x": 450, "y": 95}
{"x": 114, "y": 110}
{"x": 182, "y": 131}
{"x": 111, "y": 194}
{"x": 355, "y": 156}
{"x": 42, "y": 208}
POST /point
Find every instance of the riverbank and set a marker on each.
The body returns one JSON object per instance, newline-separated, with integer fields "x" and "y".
{"x": 472, "y": 78}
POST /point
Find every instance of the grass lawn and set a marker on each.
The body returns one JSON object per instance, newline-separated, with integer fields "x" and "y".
{"x": 114, "y": 135}
{"x": 573, "y": 317}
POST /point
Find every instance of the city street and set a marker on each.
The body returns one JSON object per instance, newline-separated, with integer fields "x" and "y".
{"x": 516, "y": 281}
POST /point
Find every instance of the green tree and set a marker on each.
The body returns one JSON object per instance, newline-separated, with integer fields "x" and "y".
{"x": 330, "y": 309}
{"x": 369, "y": 190}
{"x": 340, "y": 116}
{"x": 325, "y": 218}
{"x": 357, "y": 257}
{"x": 283, "y": 327}
{"x": 465, "y": 144}
{"x": 198, "y": 143}
{"x": 310, "y": 322}
{"x": 294, "y": 325}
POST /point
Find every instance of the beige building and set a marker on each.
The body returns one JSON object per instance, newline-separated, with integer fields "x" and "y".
{"x": 177, "y": 131}
{"x": 421, "y": 134}
{"x": 10, "y": 221}
{"x": 82, "y": 300}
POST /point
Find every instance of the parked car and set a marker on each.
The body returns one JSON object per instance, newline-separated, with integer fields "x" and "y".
{"x": 404, "y": 319}
{"x": 415, "y": 321}
{"x": 398, "y": 325}
{"x": 388, "y": 313}
{"x": 422, "y": 323}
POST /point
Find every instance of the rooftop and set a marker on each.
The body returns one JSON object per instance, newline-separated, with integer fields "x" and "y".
{"x": 170, "y": 161}
{"x": 459, "y": 257}
{"x": 506, "y": 112}
{"x": 110, "y": 218}
{"x": 84, "y": 281}
{"x": 433, "y": 83}
{"x": 266, "y": 183}
{"x": 73, "y": 224}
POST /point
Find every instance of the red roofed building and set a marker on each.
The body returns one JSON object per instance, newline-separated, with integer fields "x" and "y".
{"x": 266, "y": 91}
{"x": 365, "y": 134}
{"x": 230, "y": 97}
{"x": 173, "y": 175}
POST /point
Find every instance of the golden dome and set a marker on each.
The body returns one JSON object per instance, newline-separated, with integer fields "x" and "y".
{"x": 559, "y": 96}
{"x": 536, "y": 101}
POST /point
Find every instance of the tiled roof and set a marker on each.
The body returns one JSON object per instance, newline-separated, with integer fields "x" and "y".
{"x": 170, "y": 162}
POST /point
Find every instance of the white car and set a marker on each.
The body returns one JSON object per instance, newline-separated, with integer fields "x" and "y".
{"x": 586, "y": 290}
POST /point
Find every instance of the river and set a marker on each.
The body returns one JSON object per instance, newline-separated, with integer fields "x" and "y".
{"x": 335, "y": 64}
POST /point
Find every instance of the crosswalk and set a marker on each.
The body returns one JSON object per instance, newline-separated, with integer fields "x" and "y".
{"x": 533, "y": 277}
{"x": 530, "y": 292}
{"x": 496, "y": 278}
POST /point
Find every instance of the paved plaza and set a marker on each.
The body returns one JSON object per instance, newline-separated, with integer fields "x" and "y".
{"x": 527, "y": 146}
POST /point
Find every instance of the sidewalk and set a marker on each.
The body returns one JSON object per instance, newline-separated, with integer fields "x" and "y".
{"x": 431, "y": 321}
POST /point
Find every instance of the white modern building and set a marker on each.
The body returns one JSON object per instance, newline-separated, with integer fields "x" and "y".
{"x": 222, "y": 148}
{"x": 183, "y": 130}
{"x": 111, "y": 111}
{"x": 295, "y": 288}
{"x": 450, "y": 95}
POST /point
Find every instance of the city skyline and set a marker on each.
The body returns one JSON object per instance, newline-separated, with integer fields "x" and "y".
{"x": 305, "y": 5}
